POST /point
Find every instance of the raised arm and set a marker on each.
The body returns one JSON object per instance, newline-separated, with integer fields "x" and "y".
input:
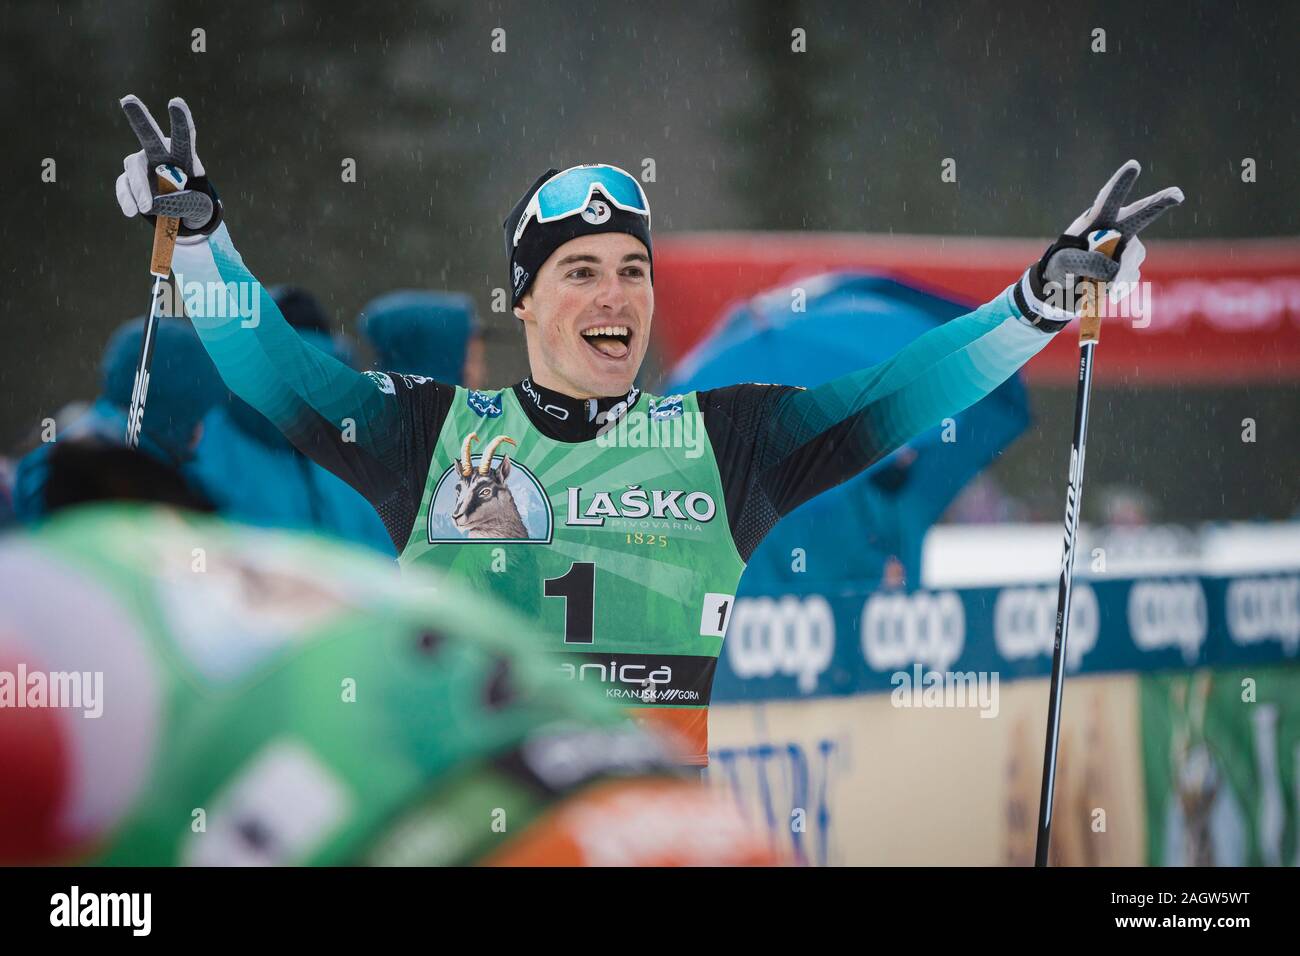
{"x": 349, "y": 422}
{"x": 777, "y": 446}
{"x": 830, "y": 433}
{"x": 782, "y": 445}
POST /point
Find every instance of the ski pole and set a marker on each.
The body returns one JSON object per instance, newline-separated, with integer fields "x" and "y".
{"x": 170, "y": 180}
{"x": 1089, "y": 331}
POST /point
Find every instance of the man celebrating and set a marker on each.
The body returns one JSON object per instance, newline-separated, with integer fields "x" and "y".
{"x": 621, "y": 521}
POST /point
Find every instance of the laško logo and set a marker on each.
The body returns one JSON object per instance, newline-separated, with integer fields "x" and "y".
{"x": 637, "y": 502}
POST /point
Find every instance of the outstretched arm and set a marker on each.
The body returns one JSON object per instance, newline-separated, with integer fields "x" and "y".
{"x": 820, "y": 437}
{"x": 779, "y": 446}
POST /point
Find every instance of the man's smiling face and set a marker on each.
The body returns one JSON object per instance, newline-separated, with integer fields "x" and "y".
{"x": 587, "y": 315}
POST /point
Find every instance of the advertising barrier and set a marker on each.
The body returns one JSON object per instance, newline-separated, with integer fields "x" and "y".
{"x": 822, "y": 645}
{"x": 907, "y": 727}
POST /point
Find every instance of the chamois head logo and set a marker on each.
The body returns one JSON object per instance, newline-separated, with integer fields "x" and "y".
{"x": 485, "y": 507}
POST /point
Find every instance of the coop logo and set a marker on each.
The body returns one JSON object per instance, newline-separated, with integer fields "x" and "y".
{"x": 484, "y": 404}
{"x": 1265, "y": 609}
{"x": 1163, "y": 614}
{"x": 637, "y": 502}
{"x": 921, "y": 627}
{"x": 789, "y": 637}
{"x": 1024, "y": 623}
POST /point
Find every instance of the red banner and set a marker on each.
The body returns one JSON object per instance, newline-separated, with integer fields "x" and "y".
{"x": 1220, "y": 311}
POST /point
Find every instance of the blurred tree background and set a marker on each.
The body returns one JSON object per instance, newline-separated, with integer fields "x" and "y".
{"x": 446, "y": 134}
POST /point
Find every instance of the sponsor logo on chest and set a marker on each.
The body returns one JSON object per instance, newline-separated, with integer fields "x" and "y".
{"x": 590, "y": 509}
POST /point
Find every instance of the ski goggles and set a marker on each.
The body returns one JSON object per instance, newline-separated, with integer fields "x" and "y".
{"x": 570, "y": 192}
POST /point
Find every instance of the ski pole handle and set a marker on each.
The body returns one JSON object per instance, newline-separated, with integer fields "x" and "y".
{"x": 170, "y": 180}
{"x": 1104, "y": 241}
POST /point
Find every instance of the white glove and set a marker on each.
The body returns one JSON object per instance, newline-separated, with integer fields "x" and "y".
{"x": 1070, "y": 260}
{"x": 196, "y": 206}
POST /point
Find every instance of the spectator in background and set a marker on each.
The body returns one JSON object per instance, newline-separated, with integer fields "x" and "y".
{"x": 1125, "y": 507}
{"x": 984, "y": 501}
{"x": 64, "y": 417}
{"x": 421, "y": 332}
{"x": 183, "y": 387}
{"x": 254, "y": 475}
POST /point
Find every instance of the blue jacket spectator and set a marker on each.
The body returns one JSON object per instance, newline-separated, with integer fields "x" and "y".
{"x": 183, "y": 387}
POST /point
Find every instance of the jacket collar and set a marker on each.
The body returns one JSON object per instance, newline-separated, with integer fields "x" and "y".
{"x": 569, "y": 419}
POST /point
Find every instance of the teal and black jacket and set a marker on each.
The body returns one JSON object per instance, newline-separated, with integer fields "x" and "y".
{"x": 776, "y": 446}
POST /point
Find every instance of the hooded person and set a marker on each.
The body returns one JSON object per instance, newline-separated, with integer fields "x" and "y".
{"x": 252, "y": 472}
{"x": 183, "y": 387}
{"x": 425, "y": 332}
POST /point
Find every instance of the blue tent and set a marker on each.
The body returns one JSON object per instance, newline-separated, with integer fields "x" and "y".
{"x": 852, "y": 320}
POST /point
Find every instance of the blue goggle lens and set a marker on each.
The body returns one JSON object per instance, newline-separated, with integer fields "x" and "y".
{"x": 570, "y": 191}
